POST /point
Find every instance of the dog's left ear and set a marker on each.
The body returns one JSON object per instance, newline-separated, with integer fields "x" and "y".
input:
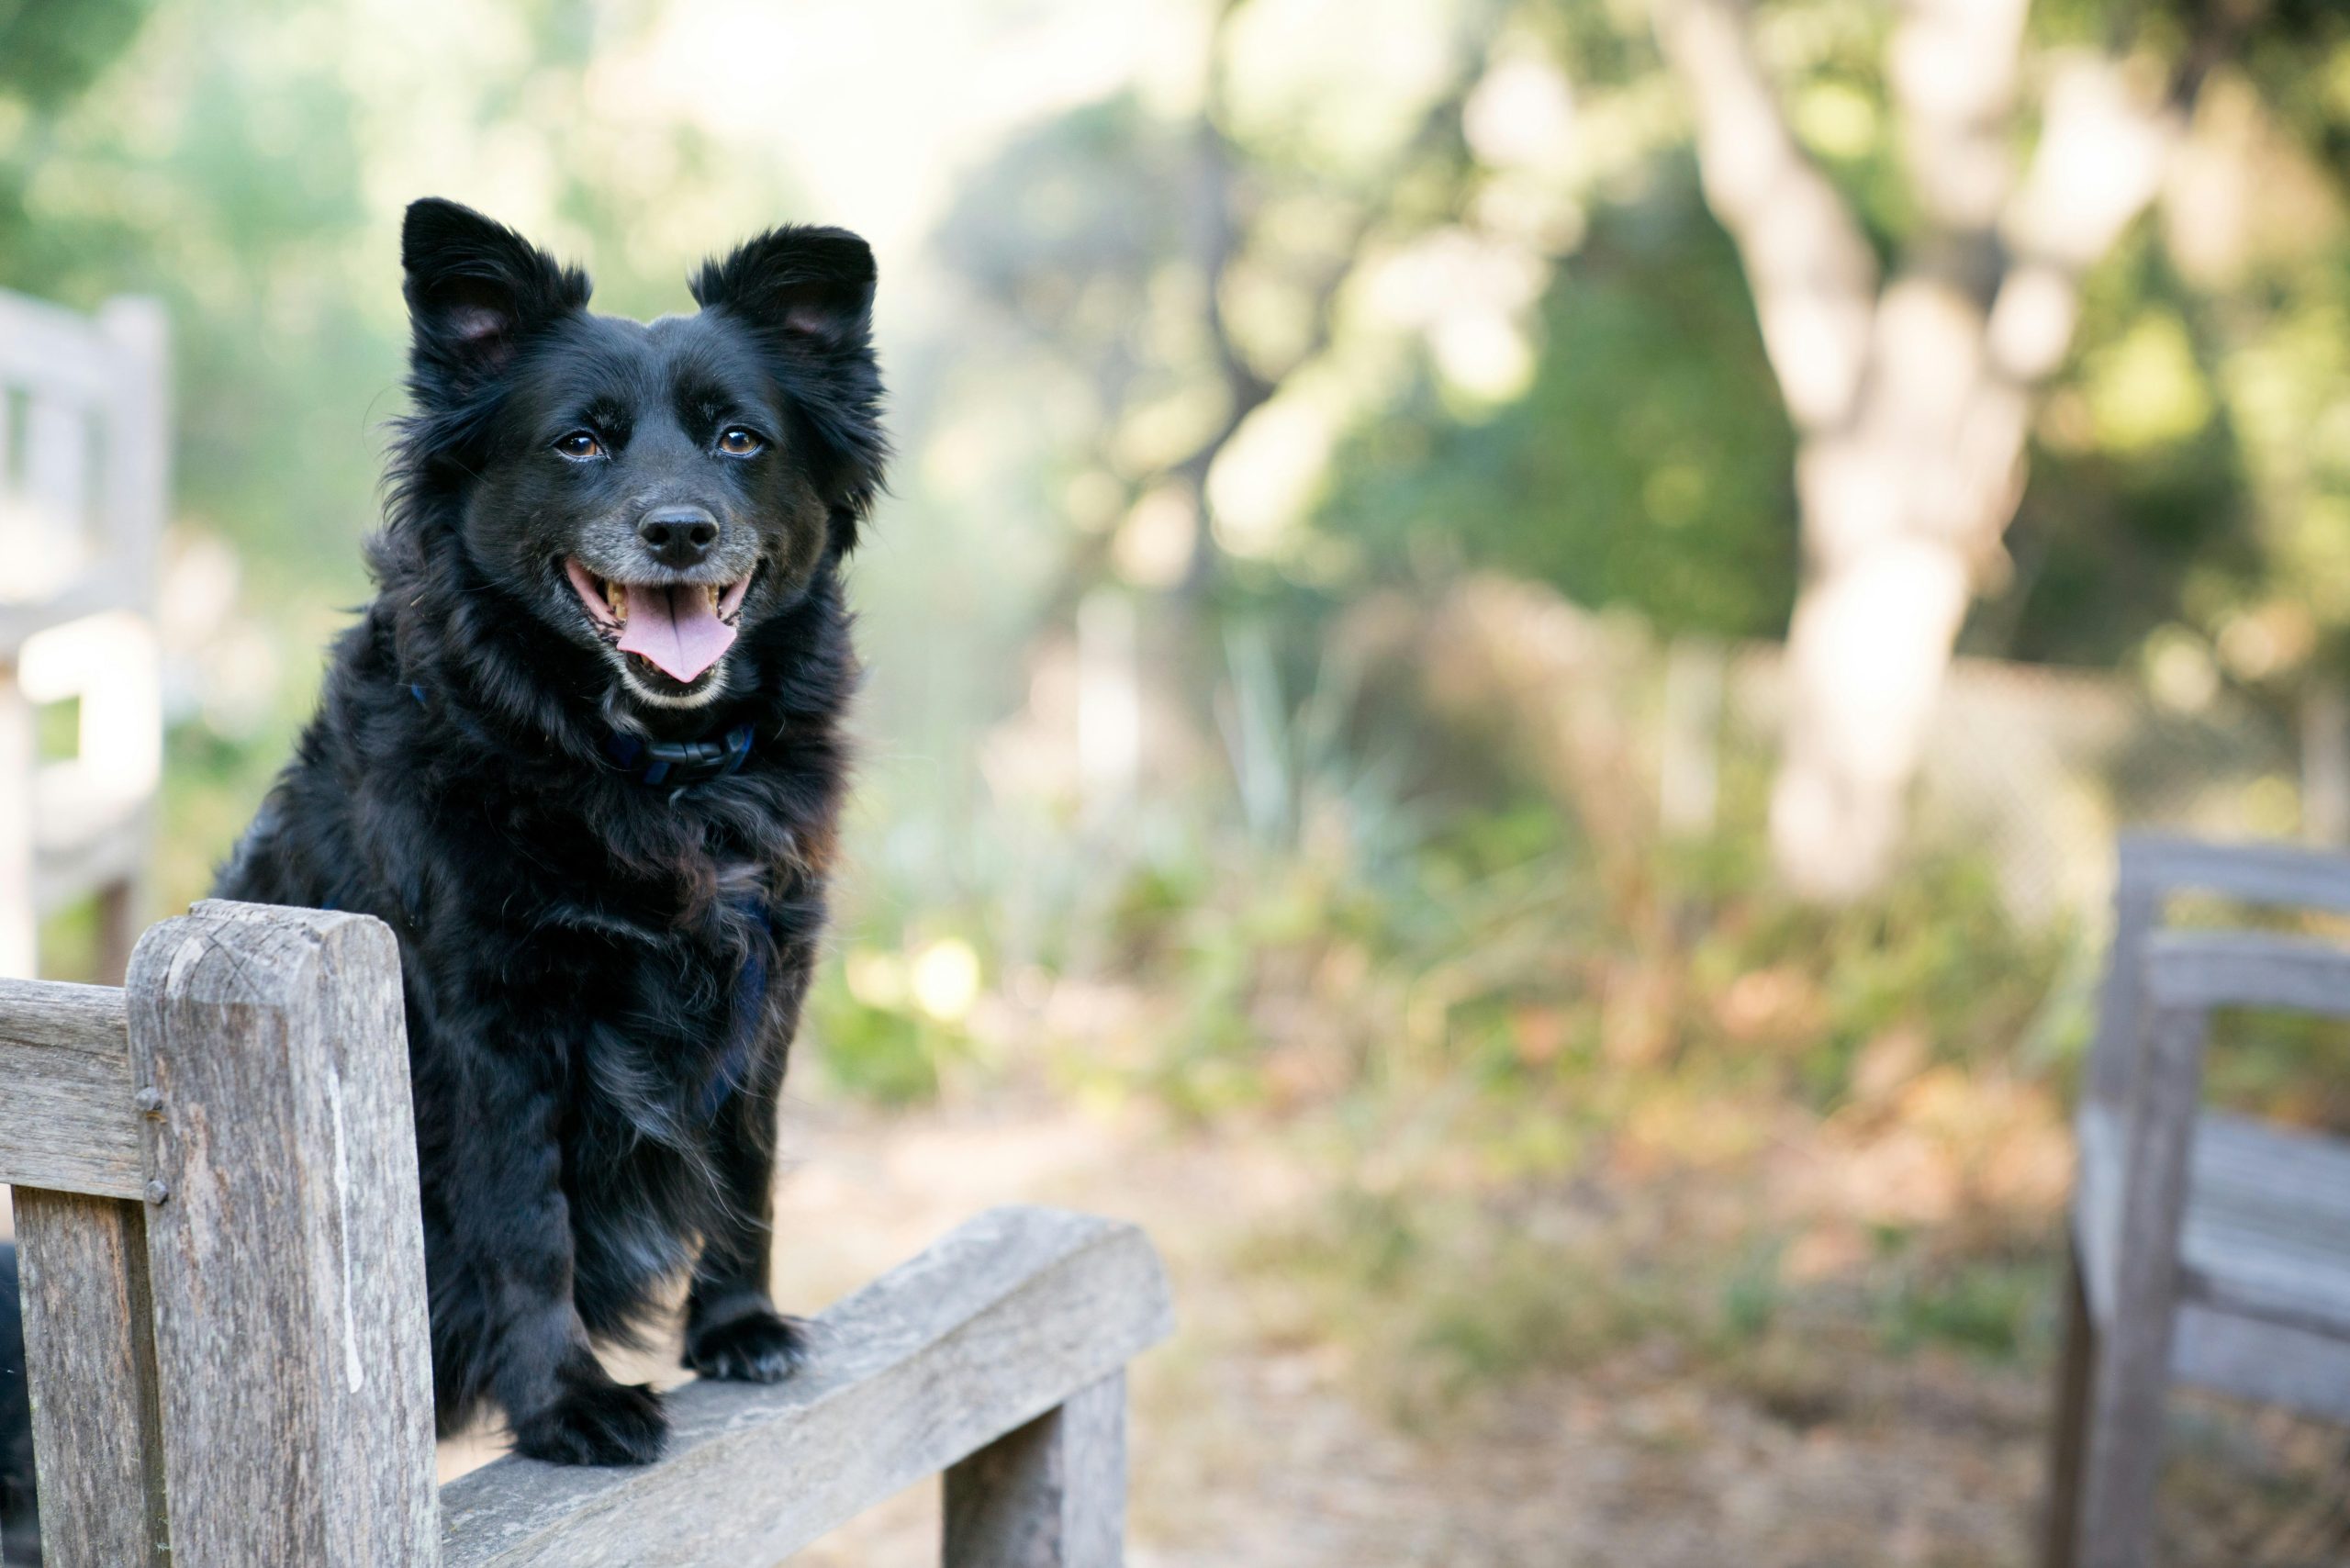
{"x": 808, "y": 293}
{"x": 811, "y": 288}
{"x": 476, "y": 291}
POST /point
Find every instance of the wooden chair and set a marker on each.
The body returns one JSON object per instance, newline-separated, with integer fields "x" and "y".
{"x": 85, "y": 441}
{"x": 2208, "y": 1249}
{"x": 223, "y": 1262}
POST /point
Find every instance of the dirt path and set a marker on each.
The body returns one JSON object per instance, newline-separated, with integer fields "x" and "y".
{"x": 1253, "y": 1444}
{"x": 1255, "y": 1448}
{"x": 1252, "y": 1450}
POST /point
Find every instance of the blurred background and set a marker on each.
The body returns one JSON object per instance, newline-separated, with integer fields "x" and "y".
{"x": 1508, "y": 646}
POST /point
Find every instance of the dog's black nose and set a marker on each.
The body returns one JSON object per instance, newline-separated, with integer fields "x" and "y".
{"x": 679, "y": 536}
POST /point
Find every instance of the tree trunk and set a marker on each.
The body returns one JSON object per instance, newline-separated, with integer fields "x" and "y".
{"x": 1899, "y": 514}
{"x": 1911, "y": 406}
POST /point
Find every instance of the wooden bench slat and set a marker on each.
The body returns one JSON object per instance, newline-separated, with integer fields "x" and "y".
{"x": 235, "y": 1369}
{"x": 1006, "y": 1317}
{"x": 46, "y": 346}
{"x": 90, "y": 1348}
{"x": 2208, "y": 1250}
{"x": 287, "y": 1260}
{"x": 2292, "y": 876}
{"x": 96, "y": 592}
{"x": 68, "y": 1122}
{"x": 1049, "y": 1494}
{"x": 2253, "y": 1358}
{"x": 2212, "y": 969}
{"x": 2267, "y": 1233}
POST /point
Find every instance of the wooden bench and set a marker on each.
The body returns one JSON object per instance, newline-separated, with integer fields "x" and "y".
{"x": 217, "y": 1210}
{"x": 2208, "y": 1249}
{"x": 84, "y": 444}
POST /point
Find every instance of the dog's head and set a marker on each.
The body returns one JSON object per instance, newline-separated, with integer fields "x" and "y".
{"x": 651, "y": 492}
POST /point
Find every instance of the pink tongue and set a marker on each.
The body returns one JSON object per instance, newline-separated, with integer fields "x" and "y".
{"x": 677, "y": 628}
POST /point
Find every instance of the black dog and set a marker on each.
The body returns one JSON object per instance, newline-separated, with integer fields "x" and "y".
{"x": 19, "y": 1519}
{"x": 584, "y": 754}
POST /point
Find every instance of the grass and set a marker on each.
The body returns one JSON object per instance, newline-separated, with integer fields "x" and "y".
{"x": 1573, "y": 1105}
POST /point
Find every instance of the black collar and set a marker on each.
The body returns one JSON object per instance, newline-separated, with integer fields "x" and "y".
{"x": 680, "y": 762}
{"x": 672, "y": 763}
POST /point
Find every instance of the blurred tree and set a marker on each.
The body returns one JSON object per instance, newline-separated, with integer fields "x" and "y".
{"x": 1185, "y": 269}
{"x": 1913, "y": 394}
{"x": 50, "y": 55}
{"x": 1645, "y": 467}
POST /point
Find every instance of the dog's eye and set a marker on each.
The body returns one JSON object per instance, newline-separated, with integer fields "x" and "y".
{"x": 736, "y": 442}
{"x": 579, "y": 445}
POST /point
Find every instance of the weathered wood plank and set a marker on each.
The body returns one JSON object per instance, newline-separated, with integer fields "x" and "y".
{"x": 2247, "y": 968}
{"x": 289, "y": 1253}
{"x": 2225, "y": 1339}
{"x": 2097, "y": 1133}
{"x": 19, "y": 757}
{"x": 2284, "y": 874}
{"x": 134, "y": 504}
{"x": 2132, "y": 1374}
{"x": 2137, "y": 912}
{"x": 43, "y": 345}
{"x": 2208, "y": 1250}
{"x": 2068, "y": 1423}
{"x": 1049, "y": 1494}
{"x": 58, "y": 462}
{"x": 88, "y": 595}
{"x": 68, "y": 1121}
{"x": 1010, "y": 1316}
{"x": 135, "y": 498}
{"x": 2253, "y": 1358}
{"x": 89, "y": 1347}
{"x": 119, "y": 927}
{"x": 2267, "y": 1233}
{"x": 2150, "y": 868}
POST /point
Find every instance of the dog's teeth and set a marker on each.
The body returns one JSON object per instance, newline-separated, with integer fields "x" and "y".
{"x": 715, "y": 592}
{"x": 617, "y": 599}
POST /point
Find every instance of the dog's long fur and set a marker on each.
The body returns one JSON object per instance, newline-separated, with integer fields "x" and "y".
{"x": 603, "y": 975}
{"x": 19, "y": 1518}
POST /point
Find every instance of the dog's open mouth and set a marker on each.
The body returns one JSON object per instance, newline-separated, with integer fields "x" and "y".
{"x": 679, "y": 629}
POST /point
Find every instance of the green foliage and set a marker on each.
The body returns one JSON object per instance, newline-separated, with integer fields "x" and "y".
{"x": 57, "y": 729}
{"x": 1650, "y": 465}
{"x": 1938, "y": 949}
{"x": 1063, "y": 231}
{"x": 1994, "y": 1307}
{"x": 890, "y": 1054}
{"x": 1437, "y": 1303}
{"x": 49, "y": 52}
{"x": 2300, "y": 64}
{"x": 1441, "y": 1299}
{"x": 2121, "y": 510}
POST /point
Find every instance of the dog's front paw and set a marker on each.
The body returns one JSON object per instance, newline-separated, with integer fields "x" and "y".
{"x": 599, "y": 1422}
{"x": 759, "y": 1346}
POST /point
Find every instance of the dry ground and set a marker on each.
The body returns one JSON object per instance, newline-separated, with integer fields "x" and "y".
{"x": 1256, "y": 1446}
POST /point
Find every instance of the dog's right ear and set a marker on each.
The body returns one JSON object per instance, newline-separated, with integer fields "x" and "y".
{"x": 476, "y": 291}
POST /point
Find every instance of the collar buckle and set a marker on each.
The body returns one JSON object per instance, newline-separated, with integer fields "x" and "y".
{"x": 680, "y": 762}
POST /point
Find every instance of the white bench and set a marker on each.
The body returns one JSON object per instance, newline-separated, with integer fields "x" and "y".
{"x": 85, "y": 445}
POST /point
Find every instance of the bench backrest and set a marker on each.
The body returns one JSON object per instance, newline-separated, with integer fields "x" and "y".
{"x": 2150, "y": 869}
{"x": 223, "y": 1271}
{"x": 84, "y": 442}
{"x": 222, "y": 1259}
